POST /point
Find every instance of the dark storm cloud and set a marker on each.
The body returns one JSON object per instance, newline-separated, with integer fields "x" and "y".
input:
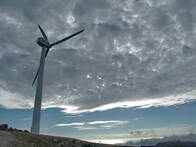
{"x": 130, "y": 51}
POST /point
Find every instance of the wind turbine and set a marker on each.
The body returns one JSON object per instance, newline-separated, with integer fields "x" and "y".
{"x": 44, "y": 43}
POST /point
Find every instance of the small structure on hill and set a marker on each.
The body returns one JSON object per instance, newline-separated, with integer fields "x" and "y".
{"x": 3, "y": 126}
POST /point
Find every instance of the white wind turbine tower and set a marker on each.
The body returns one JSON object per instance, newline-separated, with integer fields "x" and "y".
{"x": 44, "y": 43}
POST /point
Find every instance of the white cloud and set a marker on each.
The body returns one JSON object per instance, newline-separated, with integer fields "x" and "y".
{"x": 107, "y": 122}
{"x": 10, "y": 20}
{"x": 140, "y": 104}
{"x": 91, "y": 125}
{"x": 14, "y": 100}
{"x": 69, "y": 124}
{"x": 108, "y": 126}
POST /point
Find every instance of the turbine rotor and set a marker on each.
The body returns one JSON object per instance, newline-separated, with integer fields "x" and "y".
{"x": 43, "y": 42}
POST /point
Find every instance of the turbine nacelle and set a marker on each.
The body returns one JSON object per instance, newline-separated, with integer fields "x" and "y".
{"x": 42, "y": 42}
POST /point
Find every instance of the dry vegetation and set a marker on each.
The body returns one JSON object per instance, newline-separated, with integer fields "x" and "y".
{"x": 22, "y": 139}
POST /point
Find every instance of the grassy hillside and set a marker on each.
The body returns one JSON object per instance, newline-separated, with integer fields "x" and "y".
{"x": 22, "y": 139}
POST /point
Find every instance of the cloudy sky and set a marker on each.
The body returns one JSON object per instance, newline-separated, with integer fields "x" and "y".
{"x": 129, "y": 75}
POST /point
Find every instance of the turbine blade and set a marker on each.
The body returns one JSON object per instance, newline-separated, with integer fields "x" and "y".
{"x": 66, "y": 38}
{"x": 43, "y": 33}
{"x": 35, "y": 76}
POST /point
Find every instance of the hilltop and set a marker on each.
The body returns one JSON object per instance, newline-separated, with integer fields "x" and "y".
{"x": 22, "y": 139}
{"x": 16, "y": 138}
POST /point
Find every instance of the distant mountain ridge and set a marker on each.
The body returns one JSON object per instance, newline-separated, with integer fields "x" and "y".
{"x": 176, "y": 144}
{"x": 191, "y": 138}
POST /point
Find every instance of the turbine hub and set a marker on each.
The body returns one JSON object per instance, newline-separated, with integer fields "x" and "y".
{"x": 42, "y": 42}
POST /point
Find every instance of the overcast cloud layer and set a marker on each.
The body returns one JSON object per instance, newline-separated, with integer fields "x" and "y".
{"x": 133, "y": 53}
